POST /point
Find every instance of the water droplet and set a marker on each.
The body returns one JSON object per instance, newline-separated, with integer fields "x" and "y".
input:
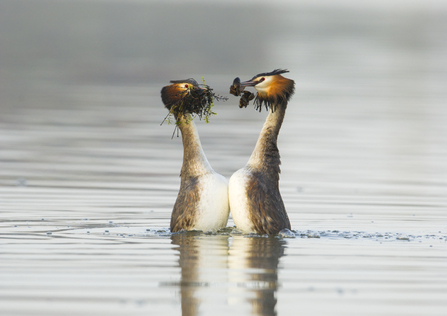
{"x": 286, "y": 233}
{"x": 313, "y": 234}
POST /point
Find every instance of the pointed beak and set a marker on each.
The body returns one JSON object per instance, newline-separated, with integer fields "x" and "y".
{"x": 237, "y": 87}
{"x": 199, "y": 90}
{"x": 248, "y": 83}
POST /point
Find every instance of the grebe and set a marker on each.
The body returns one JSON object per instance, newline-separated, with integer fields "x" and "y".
{"x": 202, "y": 201}
{"x": 255, "y": 201}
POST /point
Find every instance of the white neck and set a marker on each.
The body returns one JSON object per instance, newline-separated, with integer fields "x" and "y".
{"x": 194, "y": 160}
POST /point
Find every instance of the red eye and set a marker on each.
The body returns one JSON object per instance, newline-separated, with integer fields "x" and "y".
{"x": 186, "y": 86}
{"x": 262, "y": 79}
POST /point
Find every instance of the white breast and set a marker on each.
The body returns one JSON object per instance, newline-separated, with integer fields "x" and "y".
{"x": 239, "y": 201}
{"x": 213, "y": 209}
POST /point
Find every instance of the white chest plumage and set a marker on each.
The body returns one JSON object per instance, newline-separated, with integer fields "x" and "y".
{"x": 239, "y": 201}
{"x": 213, "y": 207}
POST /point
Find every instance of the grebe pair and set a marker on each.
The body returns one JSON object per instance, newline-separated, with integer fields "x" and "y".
{"x": 205, "y": 197}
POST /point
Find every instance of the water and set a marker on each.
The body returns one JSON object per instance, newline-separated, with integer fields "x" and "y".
{"x": 88, "y": 177}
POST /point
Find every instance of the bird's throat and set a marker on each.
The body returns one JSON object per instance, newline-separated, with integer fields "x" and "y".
{"x": 266, "y": 156}
{"x": 195, "y": 162}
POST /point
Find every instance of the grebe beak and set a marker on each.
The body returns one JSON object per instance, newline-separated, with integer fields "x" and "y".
{"x": 237, "y": 87}
{"x": 199, "y": 89}
{"x": 248, "y": 83}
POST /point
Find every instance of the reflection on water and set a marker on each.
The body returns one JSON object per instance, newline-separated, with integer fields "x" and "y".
{"x": 211, "y": 265}
{"x": 204, "y": 264}
{"x": 253, "y": 266}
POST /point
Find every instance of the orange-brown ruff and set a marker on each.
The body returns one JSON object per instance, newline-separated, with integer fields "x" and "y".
{"x": 172, "y": 94}
{"x": 255, "y": 200}
{"x": 278, "y": 92}
{"x": 202, "y": 201}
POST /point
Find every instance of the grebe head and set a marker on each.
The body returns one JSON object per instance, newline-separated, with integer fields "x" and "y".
{"x": 178, "y": 90}
{"x": 272, "y": 88}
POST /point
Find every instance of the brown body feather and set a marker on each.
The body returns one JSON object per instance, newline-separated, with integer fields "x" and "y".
{"x": 184, "y": 213}
{"x": 267, "y": 212}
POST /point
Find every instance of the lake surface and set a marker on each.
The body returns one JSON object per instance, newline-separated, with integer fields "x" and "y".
{"x": 88, "y": 176}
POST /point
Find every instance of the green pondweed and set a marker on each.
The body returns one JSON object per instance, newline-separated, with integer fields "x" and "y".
{"x": 186, "y": 98}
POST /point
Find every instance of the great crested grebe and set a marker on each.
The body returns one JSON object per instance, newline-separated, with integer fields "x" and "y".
{"x": 255, "y": 201}
{"x": 202, "y": 201}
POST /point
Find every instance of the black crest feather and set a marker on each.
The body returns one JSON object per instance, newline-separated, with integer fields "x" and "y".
{"x": 271, "y": 73}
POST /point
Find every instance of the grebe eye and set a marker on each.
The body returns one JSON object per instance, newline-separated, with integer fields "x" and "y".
{"x": 262, "y": 79}
{"x": 186, "y": 86}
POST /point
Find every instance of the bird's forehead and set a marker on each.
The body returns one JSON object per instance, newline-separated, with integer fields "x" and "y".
{"x": 272, "y": 73}
{"x": 191, "y": 81}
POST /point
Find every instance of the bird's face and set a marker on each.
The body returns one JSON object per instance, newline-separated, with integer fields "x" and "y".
{"x": 272, "y": 87}
{"x": 262, "y": 84}
{"x": 179, "y": 89}
{"x": 185, "y": 99}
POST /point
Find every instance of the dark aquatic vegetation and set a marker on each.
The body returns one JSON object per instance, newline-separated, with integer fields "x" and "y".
{"x": 247, "y": 96}
{"x": 184, "y": 97}
{"x": 235, "y": 88}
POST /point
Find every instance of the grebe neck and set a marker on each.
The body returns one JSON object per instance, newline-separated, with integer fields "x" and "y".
{"x": 194, "y": 159}
{"x": 266, "y": 156}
